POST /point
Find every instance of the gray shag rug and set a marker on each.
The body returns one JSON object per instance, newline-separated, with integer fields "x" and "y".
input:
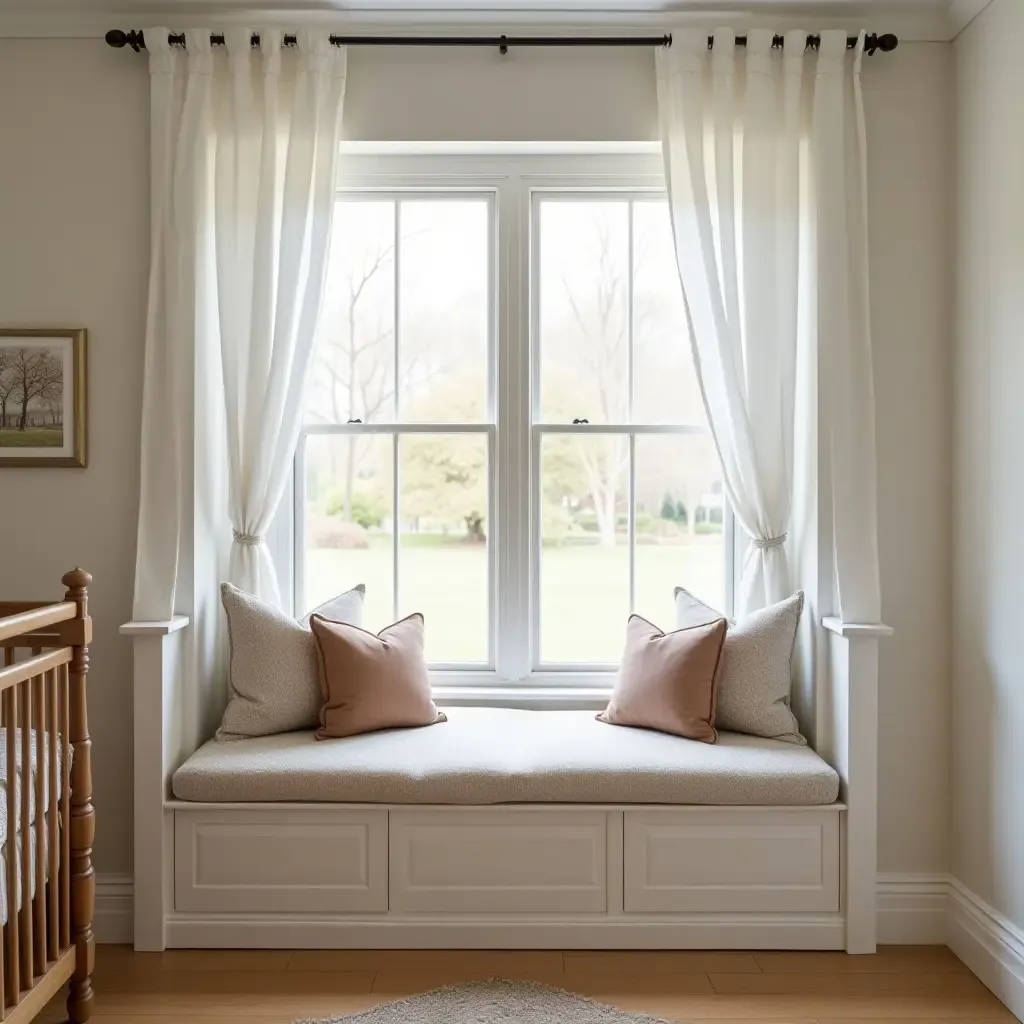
{"x": 494, "y": 1002}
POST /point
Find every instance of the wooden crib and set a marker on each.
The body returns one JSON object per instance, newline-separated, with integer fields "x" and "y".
{"x": 48, "y": 885}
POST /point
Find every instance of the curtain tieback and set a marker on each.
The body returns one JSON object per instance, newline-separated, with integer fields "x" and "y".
{"x": 247, "y": 539}
{"x": 764, "y": 543}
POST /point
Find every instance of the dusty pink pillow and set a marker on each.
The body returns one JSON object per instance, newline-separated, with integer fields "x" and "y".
{"x": 372, "y": 682}
{"x": 667, "y": 681}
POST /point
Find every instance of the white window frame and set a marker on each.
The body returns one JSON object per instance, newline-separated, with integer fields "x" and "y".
{"x": 515, "y": 176}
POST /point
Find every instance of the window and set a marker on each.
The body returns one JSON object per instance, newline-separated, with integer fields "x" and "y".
{"x": 397, "y": 454}
{"x": 503, "y": 426}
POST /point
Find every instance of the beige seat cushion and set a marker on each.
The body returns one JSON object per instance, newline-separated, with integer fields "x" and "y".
{"x": 500, "y": 755}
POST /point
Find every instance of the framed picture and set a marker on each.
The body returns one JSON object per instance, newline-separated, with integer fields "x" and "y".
{"x": 42, "y": 397}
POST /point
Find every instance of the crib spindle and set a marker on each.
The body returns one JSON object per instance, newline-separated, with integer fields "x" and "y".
{"x": 65, "y": 815}
{"x": 53, "y": 946}
{"x": 43, "y": 751}
{"x": 11, "y": 927}
{"x": 24, "y": 907}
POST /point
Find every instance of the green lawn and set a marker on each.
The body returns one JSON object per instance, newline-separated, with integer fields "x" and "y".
{"x": 584, "y": 591}
{"x": 36, "y": 437}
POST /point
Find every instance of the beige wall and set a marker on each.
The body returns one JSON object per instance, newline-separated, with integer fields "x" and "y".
{"x": 988, "y": 686}
{"x": 74, "y": 224}
{"x": 908, "y": 97}
{"x": 74, "y": 218}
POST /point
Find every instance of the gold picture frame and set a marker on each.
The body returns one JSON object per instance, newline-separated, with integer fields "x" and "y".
{"x": 48, "y": 427}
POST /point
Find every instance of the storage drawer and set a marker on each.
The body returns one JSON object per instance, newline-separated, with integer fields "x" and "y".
{"x": 500, "y": 861}
{"x": 731, "y": 859}
{"x": 287, "y": 860}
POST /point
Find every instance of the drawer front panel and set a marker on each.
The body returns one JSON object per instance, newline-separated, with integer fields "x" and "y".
{"x": 498, "y": 861}
{"x": 731, "y": 860}
{"x": 285, "y": 861}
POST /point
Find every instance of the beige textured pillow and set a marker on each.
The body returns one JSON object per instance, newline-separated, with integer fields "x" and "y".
{"x": 372, "y": 682}
{"x": 667, "y": 681}
{"x": 757, "y": 667}
{"x": 274, "y": 677}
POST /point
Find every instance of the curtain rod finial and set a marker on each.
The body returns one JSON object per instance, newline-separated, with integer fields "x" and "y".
{"x": 119, "y": 39}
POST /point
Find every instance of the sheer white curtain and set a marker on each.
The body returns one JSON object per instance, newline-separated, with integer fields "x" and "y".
{"x": 735, "y": 126}
{"x": 244, "y": 152}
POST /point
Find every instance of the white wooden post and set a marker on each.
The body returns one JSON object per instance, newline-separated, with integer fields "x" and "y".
{"x": 159, "y": 749}
{"x": 850, "y": 745}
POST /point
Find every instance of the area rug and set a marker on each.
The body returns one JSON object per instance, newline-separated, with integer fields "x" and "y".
{"x": 494, "y": 1002}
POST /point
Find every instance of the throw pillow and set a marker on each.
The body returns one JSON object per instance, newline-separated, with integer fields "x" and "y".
{"x": 274, "y": 677}
{"x": 372, "y": 682}
{"x": 757, "y": 667}
{"x": 666, "y": 681}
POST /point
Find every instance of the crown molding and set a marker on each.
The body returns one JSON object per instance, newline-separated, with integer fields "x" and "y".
{"x": 911, "y": 20}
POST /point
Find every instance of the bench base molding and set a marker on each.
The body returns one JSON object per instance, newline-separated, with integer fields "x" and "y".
{"x": 505, "y": 876}
{"x": 696, "y": 931}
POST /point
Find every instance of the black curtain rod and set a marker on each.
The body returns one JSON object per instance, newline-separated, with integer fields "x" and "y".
{"x": 136, "y": 40}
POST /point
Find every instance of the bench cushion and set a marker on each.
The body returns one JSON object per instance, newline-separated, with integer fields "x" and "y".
{"x": 500, "y": 755}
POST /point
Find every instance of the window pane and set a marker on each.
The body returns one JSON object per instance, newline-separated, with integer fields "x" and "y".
{"x": 665, "y": 388}
{"x": 349, "y": 522}
{"x": 679, "y": 524}
{"x": 353, "y": 375}
{"x": 443, "y": 296}
{"x": 584, "y": 565}
{"x": 584, "y": 311}
{"x": 443, "y": 567}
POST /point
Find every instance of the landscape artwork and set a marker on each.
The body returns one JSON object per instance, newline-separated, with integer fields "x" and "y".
{"x": 42, "y": 397}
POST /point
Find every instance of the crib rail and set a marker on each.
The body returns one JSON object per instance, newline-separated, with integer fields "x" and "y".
{"x": 47, "y": 890}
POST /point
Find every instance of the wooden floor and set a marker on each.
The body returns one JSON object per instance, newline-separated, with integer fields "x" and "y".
{"x": 276, "y": 987}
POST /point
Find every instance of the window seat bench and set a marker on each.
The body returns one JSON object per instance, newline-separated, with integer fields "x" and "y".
{"x": 506, "y": 828}
{"x": 500, "y": 756}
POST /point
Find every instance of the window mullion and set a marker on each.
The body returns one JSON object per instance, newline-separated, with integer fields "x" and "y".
{"x": 396, "y": 531}
{"x": 397, "y": 271}
{"x": 395, "y": 526}
{"x": 299, "y": 527}
{"x": 512, "y": 652}
{"x": 631, "y": 519}
{"x": 629, "y": 317}
{"x": 631, "y": 513}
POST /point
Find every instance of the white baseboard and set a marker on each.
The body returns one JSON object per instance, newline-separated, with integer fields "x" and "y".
{"x": 989, "y": 943}
{"x": 113, "y": 919}
{"x": 912, "y": 909}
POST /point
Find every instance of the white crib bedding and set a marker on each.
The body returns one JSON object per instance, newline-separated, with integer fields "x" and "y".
{"x": 5, "y": 858}
{"x": 8, "y": 850}
{"x": 5, "y": 789}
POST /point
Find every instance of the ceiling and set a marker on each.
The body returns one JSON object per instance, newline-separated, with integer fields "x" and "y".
{"x": 911, "y": 19}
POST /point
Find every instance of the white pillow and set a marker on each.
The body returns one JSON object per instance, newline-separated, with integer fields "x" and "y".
{"x": 274, "y": 672}
{"x": 756, "y": 671}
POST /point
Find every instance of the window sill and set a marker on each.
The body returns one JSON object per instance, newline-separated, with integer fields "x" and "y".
{"x": 525, "y": 696}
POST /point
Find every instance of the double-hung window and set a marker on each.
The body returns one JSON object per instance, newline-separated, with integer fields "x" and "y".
{"x": 504, "y": 429}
